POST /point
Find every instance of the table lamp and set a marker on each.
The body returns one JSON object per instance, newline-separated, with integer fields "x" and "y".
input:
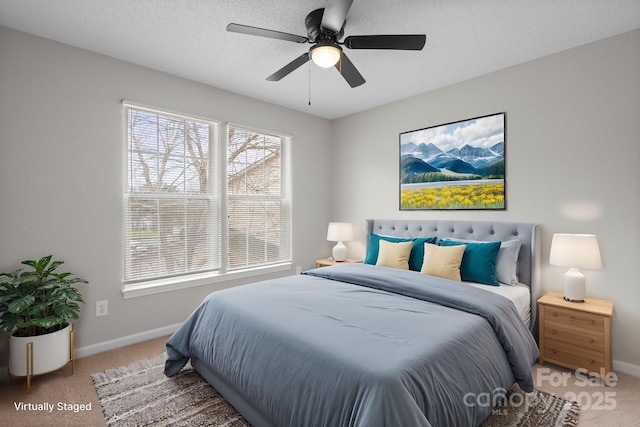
{"x": 575, "y": 251}
{"x": 339, "y": 232}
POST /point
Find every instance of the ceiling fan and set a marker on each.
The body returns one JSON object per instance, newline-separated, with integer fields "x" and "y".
{"x": 325, "y": 27}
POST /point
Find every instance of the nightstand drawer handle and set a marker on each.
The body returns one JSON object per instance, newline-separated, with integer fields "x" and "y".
{"x": 554, "y": 351}
{"x": 591, "y": 340}
{"x": 572, "y": 318}
{"x": 592, "y": 361}
{"x": 554, "y": 314}
{"x": 591, "y": 322}
{"x": 555, "y": 331}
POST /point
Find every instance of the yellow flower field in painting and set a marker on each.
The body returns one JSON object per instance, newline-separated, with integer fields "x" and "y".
{"x": 470, "y": 196}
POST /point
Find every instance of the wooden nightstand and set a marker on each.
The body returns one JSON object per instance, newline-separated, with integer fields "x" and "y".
{"x": 575, "y": 335}
{"x": 328, "y": 262}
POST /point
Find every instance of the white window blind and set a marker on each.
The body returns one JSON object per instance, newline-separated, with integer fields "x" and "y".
{"x": 258, "y": 199}
{"x": 185, "y": 216}
{"x": 171, "y": 207}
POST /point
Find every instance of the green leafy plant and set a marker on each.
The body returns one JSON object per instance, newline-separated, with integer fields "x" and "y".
{"x": 38, "y": 301}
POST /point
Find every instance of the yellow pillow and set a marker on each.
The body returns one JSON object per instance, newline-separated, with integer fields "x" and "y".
{"x": 396, "y": 255}
{"x": 443, "y": 261}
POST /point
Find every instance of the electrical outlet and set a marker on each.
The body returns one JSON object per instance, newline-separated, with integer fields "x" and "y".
{"x": 102, "y": 308}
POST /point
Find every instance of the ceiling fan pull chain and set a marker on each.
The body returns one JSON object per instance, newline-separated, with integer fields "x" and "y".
{"x": 309, "y": 84}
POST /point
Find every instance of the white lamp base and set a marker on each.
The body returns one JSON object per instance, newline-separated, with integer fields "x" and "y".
{"x": 339, "y": 252}
{"x": 573, "y": 288}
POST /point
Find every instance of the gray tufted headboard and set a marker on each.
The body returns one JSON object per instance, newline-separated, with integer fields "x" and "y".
{"x": 528, "y": 260}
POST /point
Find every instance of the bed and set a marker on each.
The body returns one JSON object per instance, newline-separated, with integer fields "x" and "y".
{"x": 370, "y": 345}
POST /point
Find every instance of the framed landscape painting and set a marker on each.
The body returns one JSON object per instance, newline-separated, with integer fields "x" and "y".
{"x": 458, "y": 165}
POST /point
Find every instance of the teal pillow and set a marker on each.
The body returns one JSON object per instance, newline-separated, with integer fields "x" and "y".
{"x": 478, "y": 262}
{"x": 417, "y": 253}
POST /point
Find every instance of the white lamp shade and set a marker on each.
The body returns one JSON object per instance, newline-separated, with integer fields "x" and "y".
{"x": 576, "y": 251}
{"x": 340, "y": 232}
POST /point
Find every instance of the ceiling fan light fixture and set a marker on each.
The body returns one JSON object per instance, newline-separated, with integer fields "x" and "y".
{"x": 325, "y": 26}
{"x": 325, "y": 56}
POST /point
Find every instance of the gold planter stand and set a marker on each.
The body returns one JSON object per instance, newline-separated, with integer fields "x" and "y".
{"x": 29, "y": 361}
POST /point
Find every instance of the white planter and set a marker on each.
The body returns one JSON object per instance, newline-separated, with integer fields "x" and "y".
{"x": 29, "y": 356}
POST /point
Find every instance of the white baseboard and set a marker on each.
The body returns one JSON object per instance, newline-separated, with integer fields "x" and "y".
{"x": 626, "y": 368}
{"x": 125, "y": 341}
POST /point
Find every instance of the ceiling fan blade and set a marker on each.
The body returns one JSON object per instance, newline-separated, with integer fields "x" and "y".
{"x": 397, "y": 42}
{"x": 291, "y": 66}
{"x": 263, "y": 32}
{"x": 349, "y": 71}
{"x": 335, "y": 13}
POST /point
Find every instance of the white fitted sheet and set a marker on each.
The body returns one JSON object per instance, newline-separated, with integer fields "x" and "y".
{"x": 519, "y": 294}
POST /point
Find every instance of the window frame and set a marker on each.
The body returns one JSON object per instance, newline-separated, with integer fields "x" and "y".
{"x": 218, "y": 158}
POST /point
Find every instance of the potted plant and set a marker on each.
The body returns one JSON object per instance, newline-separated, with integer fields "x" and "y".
{"x": 36, "y": 306}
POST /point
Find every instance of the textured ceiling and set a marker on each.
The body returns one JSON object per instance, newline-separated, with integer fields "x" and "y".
{"x": 187, "y": 38}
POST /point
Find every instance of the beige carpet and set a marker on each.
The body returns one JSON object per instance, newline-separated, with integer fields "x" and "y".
{"x": 140, "y": 395}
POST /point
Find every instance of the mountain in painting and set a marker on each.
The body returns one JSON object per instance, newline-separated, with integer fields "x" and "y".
{"x": 498, "y": 148}
{"x": 411, "y": 166}
{"x": 475, "y": 156}
{"x": 424, "y": 158}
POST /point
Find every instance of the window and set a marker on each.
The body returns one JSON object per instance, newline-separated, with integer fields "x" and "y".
{"x": 259, "y": 208}
{"x": 189, "y": 219}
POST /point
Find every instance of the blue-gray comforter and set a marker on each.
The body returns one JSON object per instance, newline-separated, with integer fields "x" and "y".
{"x": 360, "y": 345}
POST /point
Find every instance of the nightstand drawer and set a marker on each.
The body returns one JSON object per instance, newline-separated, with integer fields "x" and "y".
{"x": 575, "y": 318}
{"x": 573, "y": 335}
{"x": 568, "y": 355}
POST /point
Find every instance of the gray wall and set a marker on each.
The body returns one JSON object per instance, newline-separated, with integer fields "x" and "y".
{"x": 573, "y": 162}
{"x": 61, "y": 171}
